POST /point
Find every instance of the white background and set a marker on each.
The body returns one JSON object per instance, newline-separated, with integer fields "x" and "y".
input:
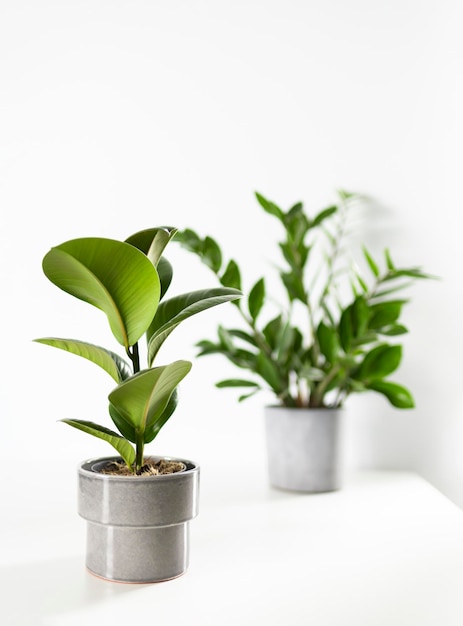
{"x": 122, "y": 115}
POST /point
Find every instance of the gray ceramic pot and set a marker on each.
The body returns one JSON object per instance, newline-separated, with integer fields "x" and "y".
{"x": 303, "y": 448}
{"x": 137, "y": 527}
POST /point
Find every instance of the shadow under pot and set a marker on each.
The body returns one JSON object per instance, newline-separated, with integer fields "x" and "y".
{"x": 137, "y": 526}
{"x": 304, "y": 448}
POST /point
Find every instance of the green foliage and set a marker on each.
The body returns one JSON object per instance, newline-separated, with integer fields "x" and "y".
{"x": 346, "y": 348}
{"x": 127, "y": 280}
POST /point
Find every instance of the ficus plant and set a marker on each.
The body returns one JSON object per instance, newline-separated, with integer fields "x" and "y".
{"x": 128, "y": 281}
{"x": 335, "y": 333}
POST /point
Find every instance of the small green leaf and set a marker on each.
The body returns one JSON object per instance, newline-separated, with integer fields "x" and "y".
{"x": 385, "y": 313}
{"x": 165, "y": 272}
{"x": 142, "y": 399}
{"x": 212, "y": 255}
{"x": 256, "y": 298}
{"x": 389, "y": 263}
{"x": 152, "y": 241}
{"x": 328, "y": 342}
{"x": 189, "y": 240}
{"x": 379, "y": 362}
{"x": 235, "y": 382}
{"x": 374, "y": 268}
{"x": 175, "y": 310}
{"x": 323, "y": 215}
{"x": 397, "y": 395}
{"x": 231, "y": 277}
{"x": 109, "y": 361}
{"x": 394, "y": 330}
{"x": 269, "y": 372}
{"x": 272, "y": 331}
{"x": 269, "y": 207}
{"x": 122, "y": 446}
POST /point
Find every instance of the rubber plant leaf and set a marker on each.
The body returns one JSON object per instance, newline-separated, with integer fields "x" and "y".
{"x": 111, "y": 275}
{"x": 125, "y": 428}
{"x": 122, "y": 446}
{"x": 142, "y": 399}
{"x": 111, "y": 362}
{"x": 152, "y": 431}
{"x": 152, "y": 241}
{"x": 175, "y": 310}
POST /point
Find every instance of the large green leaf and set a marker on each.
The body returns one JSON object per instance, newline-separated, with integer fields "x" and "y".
{"x": 111, "y": 362}
{"x": 119, "y": 443}
{"x": 152, "y": 241}
{"x": 173, "y": 311}
{"x": 111, "y": 275}
{"x": 142, "y": 399}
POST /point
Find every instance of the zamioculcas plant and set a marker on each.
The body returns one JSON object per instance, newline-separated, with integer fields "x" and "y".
{"x": 128, "y": 281}
{"x": 345, "y": 342}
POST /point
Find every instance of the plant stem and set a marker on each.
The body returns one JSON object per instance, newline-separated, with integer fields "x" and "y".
{"x": 316, "y": 399}
{"x": 134, "y": 356}
{"x": 139, "y": 445}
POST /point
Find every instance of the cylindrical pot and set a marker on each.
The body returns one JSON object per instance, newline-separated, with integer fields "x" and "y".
{"x": 303, "y": 448}
{"x": 137, "y": 526}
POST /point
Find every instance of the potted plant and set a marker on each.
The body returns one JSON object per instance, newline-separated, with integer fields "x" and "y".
{"x": 137, "y": 507}
{"x": 335, "y": 336}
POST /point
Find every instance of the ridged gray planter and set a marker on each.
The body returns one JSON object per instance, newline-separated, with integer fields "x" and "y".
{"x": 304, "y": 448}
{"x": 137, "y": 526}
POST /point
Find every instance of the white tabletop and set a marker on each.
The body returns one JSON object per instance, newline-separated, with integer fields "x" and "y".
{"x": 385, "y": 550}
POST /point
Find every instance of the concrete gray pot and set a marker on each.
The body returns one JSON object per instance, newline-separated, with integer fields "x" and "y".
{"x": 137, "y": 526}
{"x": 303, "y": 448}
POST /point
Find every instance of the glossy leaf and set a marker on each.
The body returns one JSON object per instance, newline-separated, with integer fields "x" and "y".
{"x": 111, "y": 362}
{"x": 190, "y": 240}
{"x": 124, "y": 427}
{"x": 394, "y": 330}
{"x": 272, "y": 331}
{"x": 256, "y": 298}
{"x": 385, "y": 313}
{"x": 236, "y": 382}
{"x": 231, "y": 277}
{"x": 175, "y": 310}
{"x": 111, "y": 275}
{"x": 380, "y": 362}
{"x": 328, "y": 342}
{"x": 269, "y": 372}
{"x": 152, "y": 241}
{"x": 152, "y": 431}
{"x": 373, "y": 266}
{"x": 397, "y": 395}
{"x": 142, "y": 399}
{"x": 122, "y": 446}
{"x": 165, "y": 273}
{"x": 212, "y": 255}
{"x": 323, "y": 215}
{"x": 269, "y": 207}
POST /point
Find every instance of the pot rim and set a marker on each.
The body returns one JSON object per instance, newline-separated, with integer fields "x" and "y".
{"x": 85, "y": 468}
{"x": 311, "y": 409}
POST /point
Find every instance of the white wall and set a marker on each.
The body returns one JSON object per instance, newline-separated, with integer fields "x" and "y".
{"x": 120, "y": 115}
